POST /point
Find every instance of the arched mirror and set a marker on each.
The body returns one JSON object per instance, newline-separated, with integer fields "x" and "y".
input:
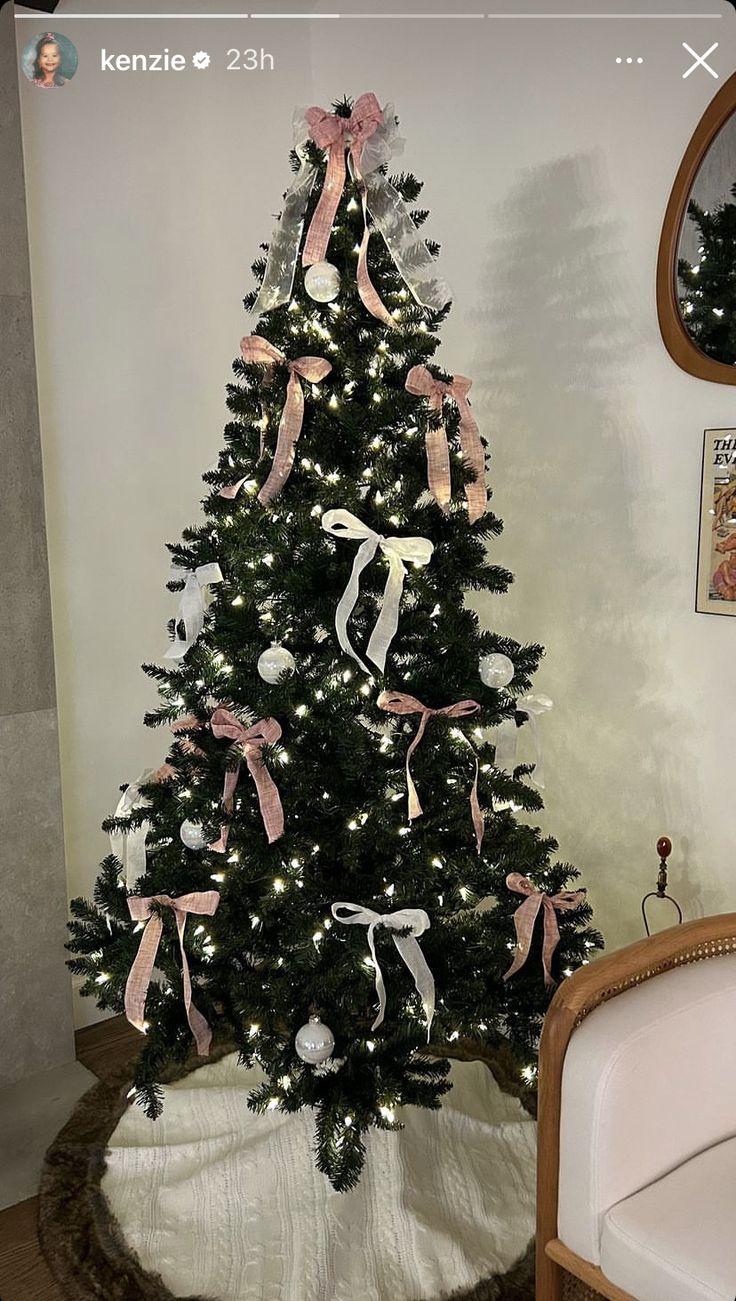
{"x": 696, "y": 268}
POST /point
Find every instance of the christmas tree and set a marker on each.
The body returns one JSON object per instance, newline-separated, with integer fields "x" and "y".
{"x": 305, "y": 868}
{"x": 708, "y": 294}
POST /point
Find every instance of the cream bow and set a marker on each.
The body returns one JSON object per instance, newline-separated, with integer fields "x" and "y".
{"x": 193, "y": 603}
{"x": 507, "y": 736}
{"x": 412, "y": 919}
{"x": 340, "y": 523}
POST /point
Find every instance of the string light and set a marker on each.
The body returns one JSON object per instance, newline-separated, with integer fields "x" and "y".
{"x": 238, "y": 601}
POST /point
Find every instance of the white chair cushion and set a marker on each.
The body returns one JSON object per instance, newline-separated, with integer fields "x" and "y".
{"x": 676, "y": 1239}
{"x": 646, "y": 1085}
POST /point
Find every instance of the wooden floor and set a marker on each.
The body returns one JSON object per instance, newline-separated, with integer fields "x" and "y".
{"x": 24, "y": 1275}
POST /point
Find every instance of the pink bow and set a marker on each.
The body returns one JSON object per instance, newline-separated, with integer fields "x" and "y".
{"x": 395, "y": 702}
{"x": 139, "y": 977}
{"x": 526, "y": 915}
{"x": 250, "y": 740}
{"x": 422, "y": 383}
{"x": 335, "y": 134}
{"x": 258, "y": 350}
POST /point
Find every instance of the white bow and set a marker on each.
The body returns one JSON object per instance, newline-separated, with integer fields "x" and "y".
{"x": 507, "y": 737}
{"x": 193, "y": 603}
{"x": 340, "y": 523}
{"x": 413, "y": 919}
{"x": 130, "y": 846}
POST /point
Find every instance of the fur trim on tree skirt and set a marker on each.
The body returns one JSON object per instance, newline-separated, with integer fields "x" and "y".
{"x": 84, "y": 1244}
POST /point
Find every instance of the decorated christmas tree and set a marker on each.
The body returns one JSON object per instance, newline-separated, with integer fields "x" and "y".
{"x": 302, "y": 876}
{"x": 707, "y": 290}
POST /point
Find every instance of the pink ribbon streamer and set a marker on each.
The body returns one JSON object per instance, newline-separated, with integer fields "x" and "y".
{"x": 526, "y": 915}
{"x": 139, "y": 978}
{"x": 336, "y": 134}
{"x": 422, "y": 383}
{"x": 395, "y": 702}
{"x": 250, "y": 740}
{"x": 257, "y": 350}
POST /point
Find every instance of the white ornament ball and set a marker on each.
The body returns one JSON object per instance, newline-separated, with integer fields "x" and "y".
{"x": 315, "y": 1042}
{"x": 275, "y": 661}
{"x": 192, "y": 835}
{"x": 322, "y": 282}
{"x": 496, "y": 670}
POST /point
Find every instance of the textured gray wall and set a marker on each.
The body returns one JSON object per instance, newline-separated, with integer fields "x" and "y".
{"x": 35, "y": 1017}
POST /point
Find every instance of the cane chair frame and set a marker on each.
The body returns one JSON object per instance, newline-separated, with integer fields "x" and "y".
{"x": 561, "y": 1275}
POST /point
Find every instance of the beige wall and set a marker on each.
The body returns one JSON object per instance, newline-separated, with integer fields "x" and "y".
{"x": 36, "y": 1030}
{"x": 547, "y": 170}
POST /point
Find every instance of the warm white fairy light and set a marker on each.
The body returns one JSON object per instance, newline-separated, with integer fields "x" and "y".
{"x": 387, "y": 1113}
{"x": 285, "y": 1083}
{"x": 390, "y": 889}
{"x": 102, "y": 979}
{"x": 377, "y": 397}
{"x": 217, "y": 876}
{"x": 234, "y": 857}
{"x": 300, "y": 711}
{"x": 254, "y": 922}
{"x": 352, "y": 825}
{"x": 278, "y": 885}
{"x": 394, "y": 519}
{"x": 378, "y": 497}
{"x": 404, "y": 831}
{"x": 347, "y": 675}
{"x": 284, "y": 757}
{"x": 199, "y": 930}
{"x": 370, "y": 1045}
{"x": 347, "y": 1122}
{"x": 437, "y": 862}
{"x": 238, "y": 601}
{"x": 365, "y": 689}
{"x": 332, "y": 402}
{"x": 317, "y": 937}
{"x": 253, "y": 1030}
{"x": 455, "y": 1035}
{"x": 316, "y": 510}
{"x": 273, "y": 1103}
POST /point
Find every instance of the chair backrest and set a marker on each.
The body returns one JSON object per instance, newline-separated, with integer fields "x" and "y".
{"x": 647, "y": 1082}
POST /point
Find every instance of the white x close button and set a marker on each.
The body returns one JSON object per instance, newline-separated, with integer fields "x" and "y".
{"x": 700, "y": 60}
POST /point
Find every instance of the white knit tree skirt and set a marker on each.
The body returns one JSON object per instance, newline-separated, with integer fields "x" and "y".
{"x": 227, "y": 1204}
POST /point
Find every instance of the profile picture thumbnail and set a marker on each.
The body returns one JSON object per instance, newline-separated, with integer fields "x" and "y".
{"x": 49, "y": 60}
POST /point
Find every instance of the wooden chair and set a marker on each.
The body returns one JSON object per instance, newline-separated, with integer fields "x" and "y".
{"x": 562, "y": 1273}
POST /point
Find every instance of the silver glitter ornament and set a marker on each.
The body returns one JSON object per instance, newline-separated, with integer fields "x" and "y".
{"x": 315, "y": 1042}
{"x": 496, "y": 670}
{"x": 275, "y": 661}
{"x": 322, "y": 282}
{"x": 192, "y": 835}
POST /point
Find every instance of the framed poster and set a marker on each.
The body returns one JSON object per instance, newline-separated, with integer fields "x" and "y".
{"x": 716, "y": 592}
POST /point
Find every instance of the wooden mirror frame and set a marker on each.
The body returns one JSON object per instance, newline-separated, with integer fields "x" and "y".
{"x": 677, "y": 341}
